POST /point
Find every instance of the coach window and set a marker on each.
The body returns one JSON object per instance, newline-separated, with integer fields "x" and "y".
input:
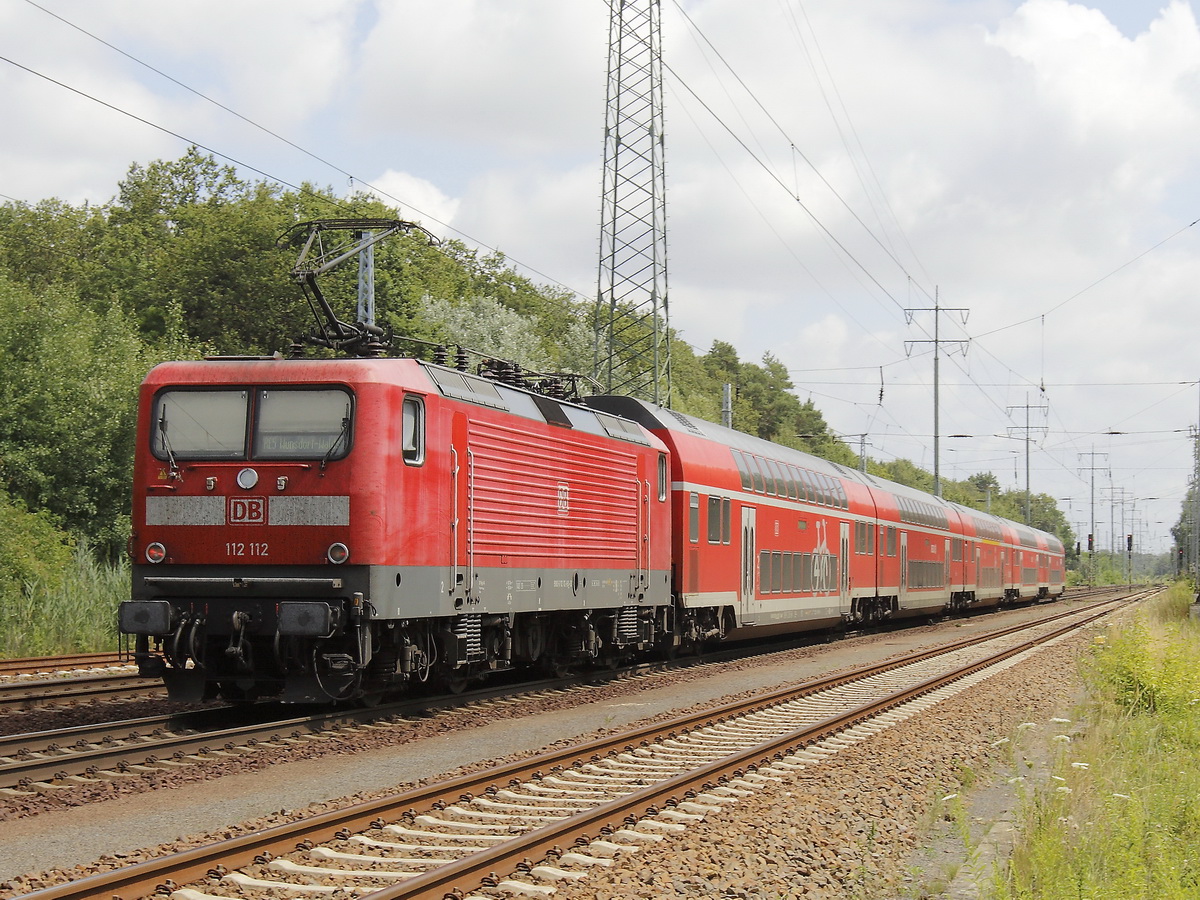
{"x": 743, "y": 468}
{"x": 726, "y": 519}
{"x": 825, "y": 483}
{"x": 694, "y": 518}
{"x": 413, "y": 431}
{"x": 662, "y": 476}
{"x": 714, "y": 520}
{"x": 760, "y": 484}
{"x": 777, "y": 472}
{"x": 789, "y": 479}
{"x": 766, "y": 470}
{"x": 809, "y": 495}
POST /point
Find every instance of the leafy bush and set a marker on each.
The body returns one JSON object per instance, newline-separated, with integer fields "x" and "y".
{"x": 32, "y": 551}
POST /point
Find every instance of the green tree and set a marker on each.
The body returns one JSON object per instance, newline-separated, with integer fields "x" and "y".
{"x": 68, "y": 407}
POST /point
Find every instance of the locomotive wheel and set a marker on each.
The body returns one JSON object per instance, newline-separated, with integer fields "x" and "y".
{"x": 455, "y": 682}
{"x": 231, "y": 692}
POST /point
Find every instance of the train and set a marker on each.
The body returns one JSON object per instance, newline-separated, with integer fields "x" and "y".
{"x": 317, "y": 530}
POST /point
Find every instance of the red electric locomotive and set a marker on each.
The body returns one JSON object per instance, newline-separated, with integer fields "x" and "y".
{"x": 328, "y": 529}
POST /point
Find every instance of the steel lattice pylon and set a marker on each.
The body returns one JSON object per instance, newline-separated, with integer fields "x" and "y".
{"x": 632, "y": 349}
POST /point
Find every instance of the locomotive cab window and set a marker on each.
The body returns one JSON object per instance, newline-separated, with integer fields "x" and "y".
{"x": 662, "y": 477}
{"x": 200, "y": 424}
{"x": 302, "y": 424}
{"x": 412, "y": 430}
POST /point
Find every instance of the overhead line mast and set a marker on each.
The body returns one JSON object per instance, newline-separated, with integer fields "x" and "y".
{"x": 937, "y": 309}
{"x": 632, "y": 351}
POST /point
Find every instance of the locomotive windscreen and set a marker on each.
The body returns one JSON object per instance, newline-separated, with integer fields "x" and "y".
{"x": 301, "y": 423}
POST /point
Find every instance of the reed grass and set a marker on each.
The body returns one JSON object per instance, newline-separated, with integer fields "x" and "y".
{"x": 78, "y": 615}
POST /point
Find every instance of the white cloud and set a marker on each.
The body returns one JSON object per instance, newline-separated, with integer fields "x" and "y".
{"x": 418, "y": 199}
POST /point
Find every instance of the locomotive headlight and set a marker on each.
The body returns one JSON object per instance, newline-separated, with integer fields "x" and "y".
{"x": 247, "y": 478}
{"x": 156, "y": 552}
{"x": 337, "y": 553}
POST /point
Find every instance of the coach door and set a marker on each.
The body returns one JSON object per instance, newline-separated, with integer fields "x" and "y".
{"x": 749, "y": 558}
{"x": 948, "y": 576}
{"x": 844, "y": 570}
{"x": 903, "y": 568}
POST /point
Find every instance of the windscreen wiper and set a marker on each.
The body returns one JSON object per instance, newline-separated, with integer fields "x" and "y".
{"x": 336, "y": 442}
{"x": 165, "y": 443}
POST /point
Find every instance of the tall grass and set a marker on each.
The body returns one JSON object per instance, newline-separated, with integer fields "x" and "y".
{"x": 77, "y": 616}
{"x": 1120, "y": 818}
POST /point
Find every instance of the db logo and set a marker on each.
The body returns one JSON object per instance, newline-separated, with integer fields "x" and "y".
{"x": 247, "y": 511}
{"x": 564, "y": 499}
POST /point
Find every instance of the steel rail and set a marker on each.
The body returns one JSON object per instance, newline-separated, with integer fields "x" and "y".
{"x": 195, "y": 864}
{"x": 34, "y": 665}
{"x": 62, "y": 690}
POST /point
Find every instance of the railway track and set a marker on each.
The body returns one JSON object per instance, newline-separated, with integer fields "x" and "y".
{"x": 52, "y": 761}
{"x": 578, "y": 807}
{"x": 16, "y": 695}
{"x": 42, "y": 665}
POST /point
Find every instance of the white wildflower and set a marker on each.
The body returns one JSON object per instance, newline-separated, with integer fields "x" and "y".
{"x": 1122, "y": 796}
{"x": 1078, "y": 765}
{"x": 1058, "y": 778}
{"x": 1063, "y": 790}
{"x": 1025, "y": 725}
{"x": 1063, "y": 738}
{"x": 1061, "y": 721}
{"x": 949, "y": 797}
{"x": 1000, "y": 743}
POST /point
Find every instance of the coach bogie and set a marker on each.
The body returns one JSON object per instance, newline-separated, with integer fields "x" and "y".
{"x": 872, "y": 610}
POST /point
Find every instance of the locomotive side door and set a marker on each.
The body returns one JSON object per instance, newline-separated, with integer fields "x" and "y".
{"x": 749, "y": 558}
{"x": 461, "y": 516}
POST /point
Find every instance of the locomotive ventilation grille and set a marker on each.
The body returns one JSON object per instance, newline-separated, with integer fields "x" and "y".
{"x": 469, "y": 628}
{"x": 627, "y": 624}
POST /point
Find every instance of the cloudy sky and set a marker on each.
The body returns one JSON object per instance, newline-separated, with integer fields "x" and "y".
{"x": 830, "y": 166}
